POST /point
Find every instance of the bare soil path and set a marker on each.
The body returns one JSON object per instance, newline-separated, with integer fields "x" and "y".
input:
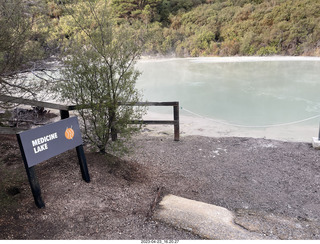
{"x": 272, "y": 186}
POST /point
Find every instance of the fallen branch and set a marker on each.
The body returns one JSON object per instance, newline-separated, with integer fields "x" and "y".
{"x": 155, "y": 202}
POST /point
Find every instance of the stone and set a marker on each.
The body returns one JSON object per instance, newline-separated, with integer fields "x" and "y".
{"x": 206, "y": 220}
{"x": 316, "y": 143}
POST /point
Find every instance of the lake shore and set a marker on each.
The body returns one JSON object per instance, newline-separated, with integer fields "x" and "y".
{"x": 232, "y": 58}
{"x": 292, "y": 109}
{"x": 191, "y": 125}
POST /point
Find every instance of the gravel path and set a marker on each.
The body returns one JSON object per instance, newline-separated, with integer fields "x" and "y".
{"x": 272, "y": 186}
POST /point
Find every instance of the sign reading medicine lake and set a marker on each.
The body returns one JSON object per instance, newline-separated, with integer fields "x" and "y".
{"x": 45, "y": 142}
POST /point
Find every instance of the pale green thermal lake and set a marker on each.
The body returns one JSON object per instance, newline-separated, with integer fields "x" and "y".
{"x": 249, "y": 91}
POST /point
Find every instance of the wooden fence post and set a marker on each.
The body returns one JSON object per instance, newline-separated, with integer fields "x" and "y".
{"x": 176, "y": 122}
{"x": 64, "y": 114}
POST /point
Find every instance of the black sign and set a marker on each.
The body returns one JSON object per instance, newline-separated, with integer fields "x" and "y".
{"x": 42, "y": 143}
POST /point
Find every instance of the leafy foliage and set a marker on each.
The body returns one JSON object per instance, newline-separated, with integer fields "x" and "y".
{"x": 202, "y": 27}
{"x": 99, "y": 74}
{"x": 243, "y": 27}
{"x": 246, "y": 28}
{"x": 136, "y": 9}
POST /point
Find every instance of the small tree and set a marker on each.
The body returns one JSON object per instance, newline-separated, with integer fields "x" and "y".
{"x": 99, "y": 74}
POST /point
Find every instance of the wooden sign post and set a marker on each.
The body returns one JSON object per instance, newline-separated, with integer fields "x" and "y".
{"x": 40, "y": 144}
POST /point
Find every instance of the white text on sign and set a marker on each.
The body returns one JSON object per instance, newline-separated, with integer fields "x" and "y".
{"x": 40, "y": 144}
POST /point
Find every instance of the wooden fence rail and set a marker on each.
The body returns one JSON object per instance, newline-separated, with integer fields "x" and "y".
{"x": 64, "y": 112}
{"x": 176, "y": 118}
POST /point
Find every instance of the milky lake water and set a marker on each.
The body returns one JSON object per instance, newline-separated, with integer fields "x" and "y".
{"x": 248, "y": 91}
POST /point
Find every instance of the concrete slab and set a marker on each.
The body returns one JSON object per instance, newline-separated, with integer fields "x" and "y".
{"x": 316, "y": 143}
{"x": 206, "y": 220}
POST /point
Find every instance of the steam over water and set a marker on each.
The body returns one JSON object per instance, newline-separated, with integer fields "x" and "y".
{"x": 249, "y": 91}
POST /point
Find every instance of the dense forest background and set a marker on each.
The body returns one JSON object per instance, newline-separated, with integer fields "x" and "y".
{"x": 194, "y": 28}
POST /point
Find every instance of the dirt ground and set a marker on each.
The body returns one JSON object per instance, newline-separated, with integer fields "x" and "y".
{"x": 272, "y": 186}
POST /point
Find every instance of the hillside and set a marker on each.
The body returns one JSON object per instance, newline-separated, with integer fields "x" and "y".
{"x": 226, "y": 28}
{"x": 186, "y": 28}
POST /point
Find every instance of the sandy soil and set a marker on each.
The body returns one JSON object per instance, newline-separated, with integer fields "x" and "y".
{"x": 272, "y": 186}
{"x": 201, "y": 126}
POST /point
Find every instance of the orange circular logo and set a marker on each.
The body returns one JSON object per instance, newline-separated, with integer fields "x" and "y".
{"x": 69, "y": 133}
